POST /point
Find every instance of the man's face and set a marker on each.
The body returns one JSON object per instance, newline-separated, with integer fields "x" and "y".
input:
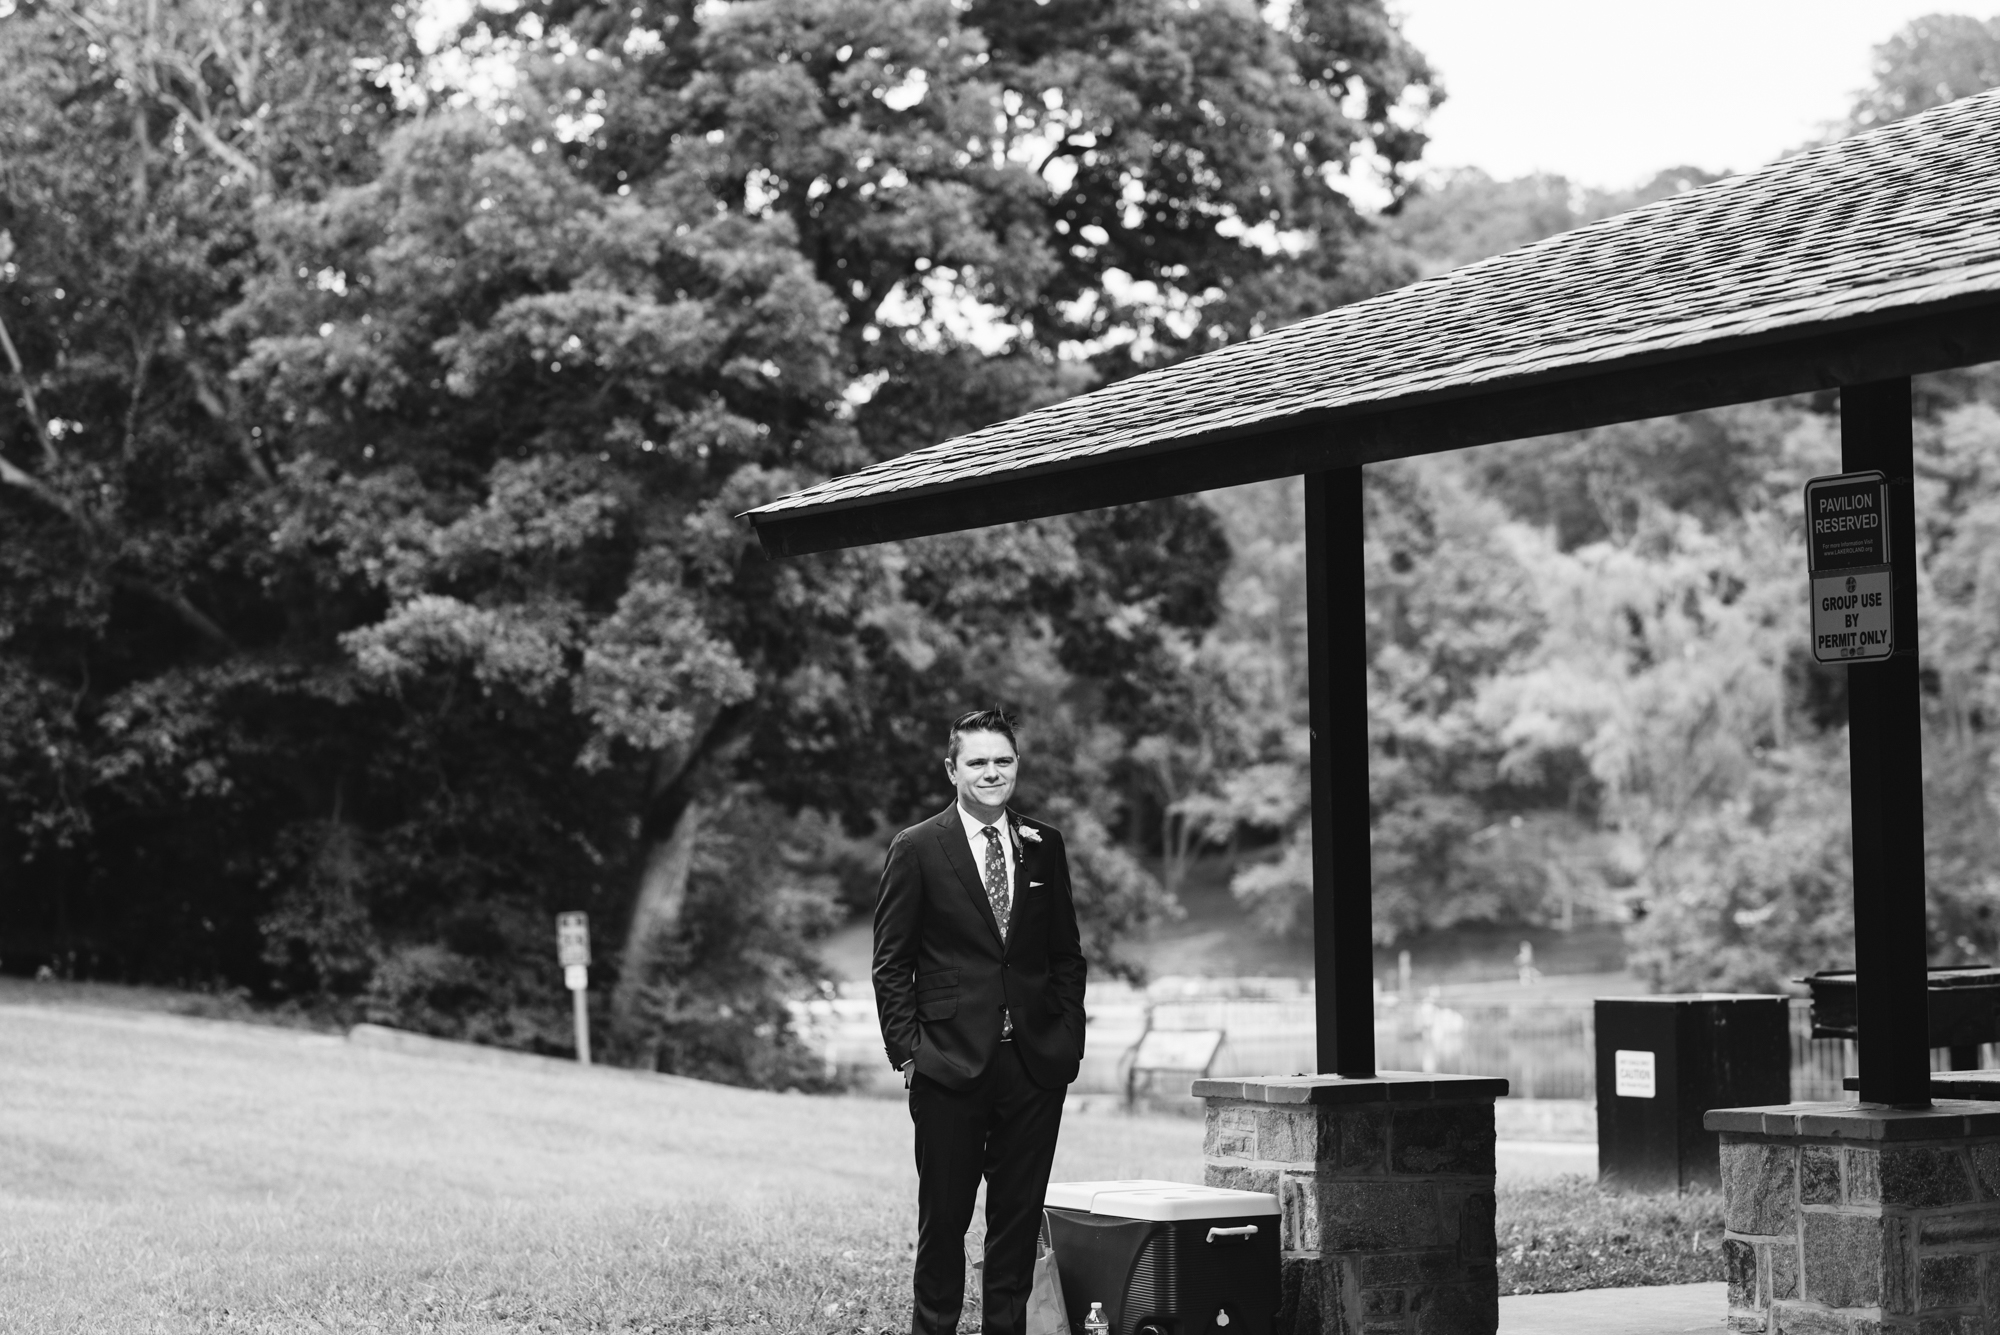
{"x": 984, "y": 772}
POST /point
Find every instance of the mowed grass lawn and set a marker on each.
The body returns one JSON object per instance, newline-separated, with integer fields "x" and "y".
{"x": 171, "y": 1174}
{"x": 162, "y": 1173}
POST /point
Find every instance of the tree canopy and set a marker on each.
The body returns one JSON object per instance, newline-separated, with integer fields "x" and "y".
{"x": 370, "y": 587}
{"x": 378, "y": 411}
{"x": 1591, "y": 688}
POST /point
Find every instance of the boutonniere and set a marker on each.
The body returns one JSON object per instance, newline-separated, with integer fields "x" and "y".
{"x": 1032, "y": 836}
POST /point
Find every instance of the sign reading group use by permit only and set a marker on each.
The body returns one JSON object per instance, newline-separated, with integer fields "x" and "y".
{"x": 1847, "y": 552}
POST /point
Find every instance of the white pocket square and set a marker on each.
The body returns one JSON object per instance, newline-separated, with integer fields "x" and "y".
{"x": 1033, "y": 884}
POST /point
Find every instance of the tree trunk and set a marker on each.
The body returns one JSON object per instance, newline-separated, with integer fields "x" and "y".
{"x": 1173, "y": 850}
{"x": 656, "y": 909}
{"x": 670, "y": 831}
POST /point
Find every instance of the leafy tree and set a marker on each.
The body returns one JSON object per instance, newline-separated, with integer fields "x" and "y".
{"x": 133, "y": 154}
{"x": 1931, "y": 61}
{"x": 1137, "y": 178}
{"x": 1771, "y": 891}
{"x": 1463, "y": 214}
{"x": 1450, "y": 612}
{"x": 373, "y": 587}
{"x": 1656, "y": 721}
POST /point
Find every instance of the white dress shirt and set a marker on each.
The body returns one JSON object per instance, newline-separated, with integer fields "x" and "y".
{"x": 973, "y": 836}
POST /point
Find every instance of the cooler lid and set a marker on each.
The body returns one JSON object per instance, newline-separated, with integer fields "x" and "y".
{"x": 1078, "y": 1195}
{"x": 1159, "y": 1200}
{"x": 1181, "y": 1201}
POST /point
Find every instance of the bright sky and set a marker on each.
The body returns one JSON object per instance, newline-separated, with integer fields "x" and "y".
{"x": 1607, "y": 92}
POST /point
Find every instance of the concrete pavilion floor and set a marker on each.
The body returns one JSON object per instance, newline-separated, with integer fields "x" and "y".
{"x": 1666, "y": 1309}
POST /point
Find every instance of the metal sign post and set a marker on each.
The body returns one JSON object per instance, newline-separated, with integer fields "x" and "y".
{"x": 573, "y": 950}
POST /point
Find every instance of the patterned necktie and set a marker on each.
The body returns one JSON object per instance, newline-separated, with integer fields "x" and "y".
{"x": 996, "y": 890}
{"x": 996, "y": 879}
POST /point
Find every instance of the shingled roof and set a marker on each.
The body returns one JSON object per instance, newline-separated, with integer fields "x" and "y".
{"x": 1873, "y": 257}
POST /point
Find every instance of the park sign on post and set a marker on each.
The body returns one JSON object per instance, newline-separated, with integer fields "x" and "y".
{"x": 573, "y": 952}
{"x": 1847, "y": 555}
{"x": 573, "y": 947}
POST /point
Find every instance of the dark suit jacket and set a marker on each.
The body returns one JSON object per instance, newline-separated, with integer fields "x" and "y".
{"x": 942, "y": 973}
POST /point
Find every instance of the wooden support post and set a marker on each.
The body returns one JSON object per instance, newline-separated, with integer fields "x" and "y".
{"x": 1337, "y": 654}
{"x": 1885, "y": 760}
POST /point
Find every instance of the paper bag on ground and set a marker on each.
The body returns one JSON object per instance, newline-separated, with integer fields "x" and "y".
{"x": 1046, "y": 1315}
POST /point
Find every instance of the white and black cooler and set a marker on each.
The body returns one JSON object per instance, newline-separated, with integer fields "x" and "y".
{"x": 1165, "y": 1258}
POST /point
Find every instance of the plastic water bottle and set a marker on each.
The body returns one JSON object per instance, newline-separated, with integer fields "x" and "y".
{"x": 1095, "y": 1324}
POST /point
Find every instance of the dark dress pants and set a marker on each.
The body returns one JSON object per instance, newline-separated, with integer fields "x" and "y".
{"x": 1004, "y": 1129}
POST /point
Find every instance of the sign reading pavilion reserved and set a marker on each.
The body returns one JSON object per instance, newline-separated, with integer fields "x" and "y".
{"x": 1847, "y": 552}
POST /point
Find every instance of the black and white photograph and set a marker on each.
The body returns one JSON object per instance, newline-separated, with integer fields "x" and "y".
{"x": 1020, "y": 667}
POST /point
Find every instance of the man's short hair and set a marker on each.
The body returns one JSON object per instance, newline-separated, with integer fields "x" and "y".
{"x": 979, "y": 720}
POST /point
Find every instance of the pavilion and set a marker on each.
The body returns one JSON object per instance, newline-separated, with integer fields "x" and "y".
{"x": 1849, "y": 267}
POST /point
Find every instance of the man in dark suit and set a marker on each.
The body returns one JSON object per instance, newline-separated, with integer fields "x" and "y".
{"x": 979, "y": 984}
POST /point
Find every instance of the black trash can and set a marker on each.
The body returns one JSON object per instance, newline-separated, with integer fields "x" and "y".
{"x": 1166, "y": 1258}
{"x": 1664, "y": 1061}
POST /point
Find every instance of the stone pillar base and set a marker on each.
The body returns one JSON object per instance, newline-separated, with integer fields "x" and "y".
{"x": 1843, "y": 1219}
{"x": 1386, "y": 1187}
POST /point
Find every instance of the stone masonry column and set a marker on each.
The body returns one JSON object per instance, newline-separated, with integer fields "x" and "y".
{"x": 1386, "y": 1189}
{"x": 1844, "y": 1219}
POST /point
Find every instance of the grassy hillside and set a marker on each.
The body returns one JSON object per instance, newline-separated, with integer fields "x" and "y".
{"x": 172, "y": 1174}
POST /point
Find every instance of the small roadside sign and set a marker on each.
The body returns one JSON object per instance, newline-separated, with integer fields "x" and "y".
{"x": 573, "y": 951}
{"x": 573, "y": 939}
{"x": 1847, "y": 556}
